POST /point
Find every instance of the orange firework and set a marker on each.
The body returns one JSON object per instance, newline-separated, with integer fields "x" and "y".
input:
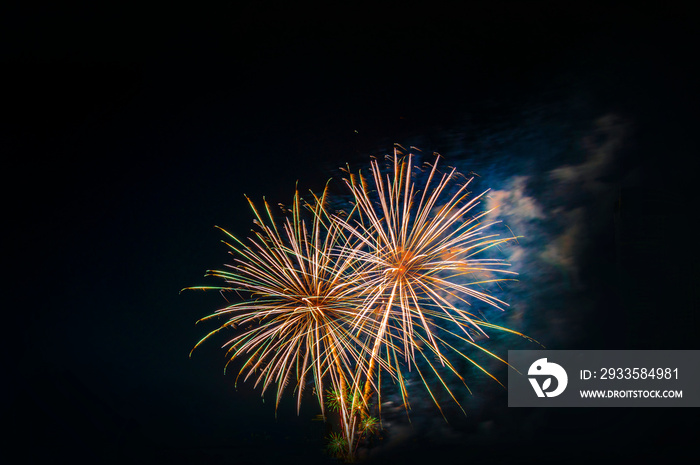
{"x": 299, "y": 303}
{"x": 337, "y": 300}
{"x": 419, "y": 261}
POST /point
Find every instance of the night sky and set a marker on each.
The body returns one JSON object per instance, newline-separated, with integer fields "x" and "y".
{"x": 128, "y": 133}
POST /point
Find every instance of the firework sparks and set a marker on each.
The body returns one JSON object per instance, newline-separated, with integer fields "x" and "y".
{"x": 419, "y": 256}
{"x": 300, "y": 304}
{"x": 341, "y": 298}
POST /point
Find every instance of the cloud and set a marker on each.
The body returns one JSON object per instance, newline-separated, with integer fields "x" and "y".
{"x": 601, "y": 146}
{"x": 562, "y": 250}
{"x": 557, "y": 221}
{"x": 513, "y": 204}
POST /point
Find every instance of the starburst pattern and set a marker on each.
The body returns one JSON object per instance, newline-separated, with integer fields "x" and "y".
{"x": 293, "y": 322}
{"x": 421, "y": 266}
{"x": 335, "y": 300}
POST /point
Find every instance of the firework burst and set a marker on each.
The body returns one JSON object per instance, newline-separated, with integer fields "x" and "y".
{"x": 421, "y": 244}
{"x": 336, "y": 300}
{"x": 294, "y": 321}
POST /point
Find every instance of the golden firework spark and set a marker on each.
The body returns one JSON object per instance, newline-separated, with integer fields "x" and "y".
{"x": 341, "y": 298}
{"x": 299, "y": 302}
{"x": 419, "y": 261}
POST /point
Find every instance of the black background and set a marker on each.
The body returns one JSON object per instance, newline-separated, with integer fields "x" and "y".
{"x": 127, "y": 133}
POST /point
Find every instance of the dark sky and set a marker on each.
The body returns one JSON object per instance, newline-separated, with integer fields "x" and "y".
{"x": 129, "y": 133}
